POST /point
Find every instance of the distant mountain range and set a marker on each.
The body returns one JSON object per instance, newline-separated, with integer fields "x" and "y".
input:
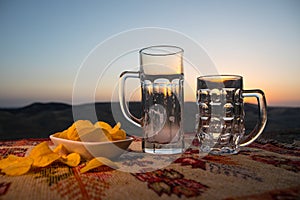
{"x": 39, "y": 120}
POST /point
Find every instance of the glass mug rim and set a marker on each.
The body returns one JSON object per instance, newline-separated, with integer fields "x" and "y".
{"x": 161, "y": 50}
{"x": 222, "y": 77}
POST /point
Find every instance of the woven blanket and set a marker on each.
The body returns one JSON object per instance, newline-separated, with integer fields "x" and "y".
{"x": 259, "y": 171}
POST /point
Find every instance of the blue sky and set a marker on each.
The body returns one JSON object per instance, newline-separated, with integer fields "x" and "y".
{"x": 43, "y": 43}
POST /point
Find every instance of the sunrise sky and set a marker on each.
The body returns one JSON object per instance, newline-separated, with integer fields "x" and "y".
{"x": 44, "y": 43}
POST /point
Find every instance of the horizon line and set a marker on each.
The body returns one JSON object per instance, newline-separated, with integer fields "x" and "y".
{"x": 85, "y": 103}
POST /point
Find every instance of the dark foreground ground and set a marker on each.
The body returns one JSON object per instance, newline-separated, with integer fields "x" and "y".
{"x": 39, "y": 120}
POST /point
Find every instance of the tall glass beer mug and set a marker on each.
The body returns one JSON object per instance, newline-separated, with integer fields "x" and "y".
{"x": 221, "y": 117}
{"x": 161, "y": 77}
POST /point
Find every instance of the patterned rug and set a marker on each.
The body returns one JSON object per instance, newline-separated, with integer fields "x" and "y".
{"x": 259, "y": 171}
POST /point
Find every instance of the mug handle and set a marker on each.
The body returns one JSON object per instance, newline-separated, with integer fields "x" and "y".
{"x": 123, "y": 104}
{"x": 262, "y": 115}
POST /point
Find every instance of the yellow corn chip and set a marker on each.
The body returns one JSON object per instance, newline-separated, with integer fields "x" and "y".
{"x": 45, "y": 160}
{"x": 40, "y": 149}
{"x": 119, "y": 135}
{"x": 82, "y": 124}
{"x": 114, "y": 133}
{"x": 72, "y": 133}
{"x": 61, "y": 150}
{"x": 77, "y": 127}
{"x": 22, "y": 166}
{"x": 14, "y": 165}
{"x": 97, "y": 162}
{"x": 74, "y": 136}
{"x": 10, "y": 159}
{"x": 42, "y": 155}
{"x": 116, "y": 127}
{"x": 107, "y": 134}
{"x": 107, "y": 129}
{"x": 63, "y": 134}
{"x": 93, "y": 135}
{"x": 84, "y": 130}
{"x": 72, "y": 160}
{"x": 103, "y": 125}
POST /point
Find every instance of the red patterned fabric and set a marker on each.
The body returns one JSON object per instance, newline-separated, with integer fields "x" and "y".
{"x": 260, "y": 171}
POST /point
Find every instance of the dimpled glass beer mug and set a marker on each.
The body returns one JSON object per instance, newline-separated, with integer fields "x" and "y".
{"x": 161, "y": 78}
{"x": 220, "y": 120}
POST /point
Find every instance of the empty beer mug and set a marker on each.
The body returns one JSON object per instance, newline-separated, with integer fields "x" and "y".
{"x": 161, "y": 77}
{"x": 221, "y": 119}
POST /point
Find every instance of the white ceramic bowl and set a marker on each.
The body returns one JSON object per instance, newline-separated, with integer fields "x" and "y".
{"x": 89, "y": 150}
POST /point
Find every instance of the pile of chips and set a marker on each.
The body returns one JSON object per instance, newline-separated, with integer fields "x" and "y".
{"x": 84, "y": 130}
{"x": 42, "y": 156}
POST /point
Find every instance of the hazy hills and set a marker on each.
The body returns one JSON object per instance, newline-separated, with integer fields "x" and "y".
{"x": 39, "y": 120}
